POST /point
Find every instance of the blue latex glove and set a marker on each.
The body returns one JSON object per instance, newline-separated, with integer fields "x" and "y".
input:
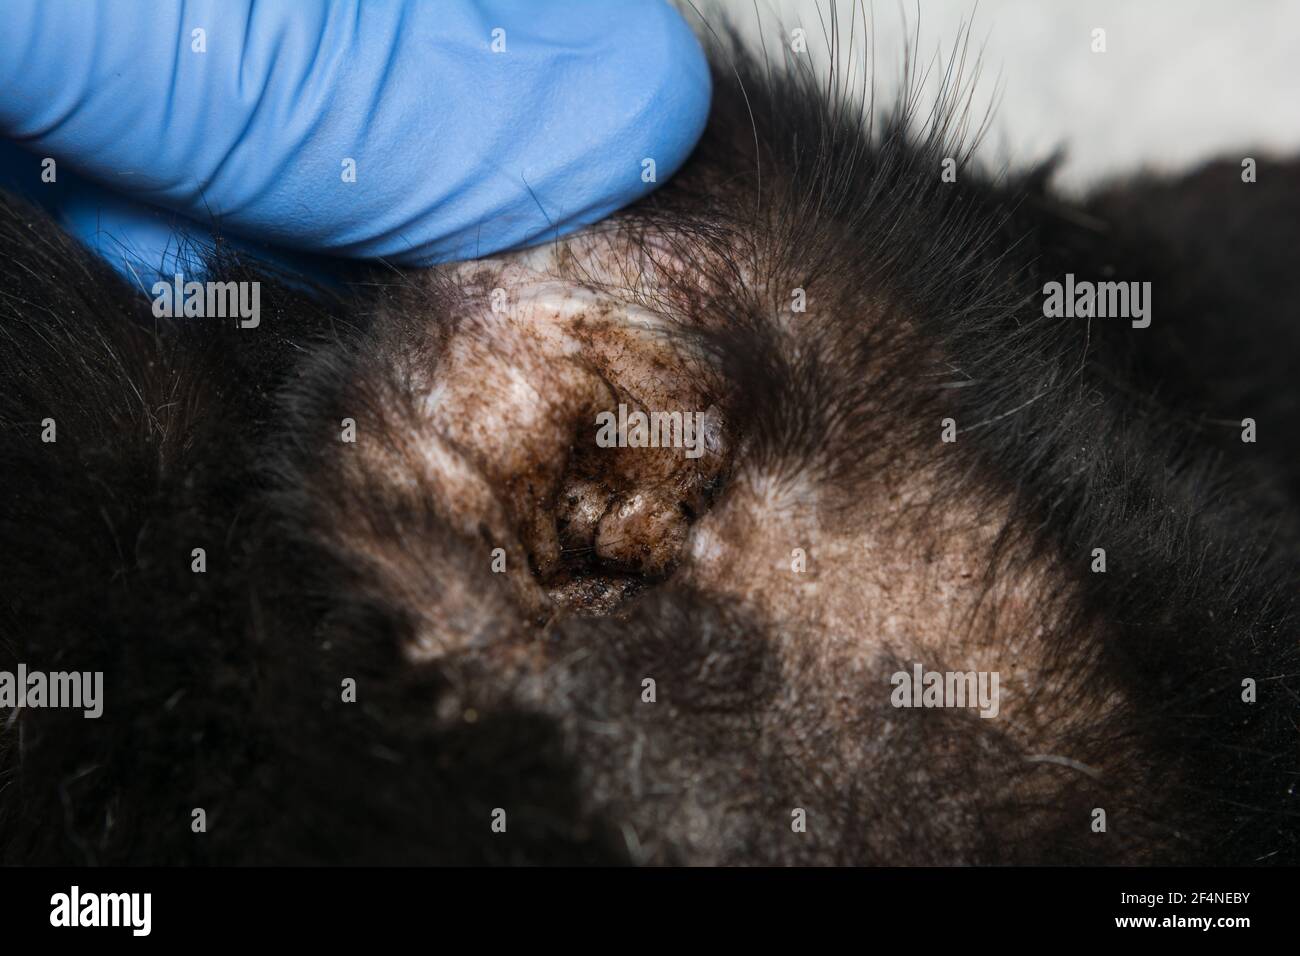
{"x": 459, "y": 150}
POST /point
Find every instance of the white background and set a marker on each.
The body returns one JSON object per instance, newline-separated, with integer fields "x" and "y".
{"x": 1181, "y": 81}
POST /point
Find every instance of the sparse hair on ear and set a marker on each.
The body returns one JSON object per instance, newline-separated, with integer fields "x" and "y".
{"x": 222, "y": 688}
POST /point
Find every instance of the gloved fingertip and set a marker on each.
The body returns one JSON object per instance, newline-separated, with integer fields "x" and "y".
{"x": 617, "y": 97}
{"x": 657, "y": 104}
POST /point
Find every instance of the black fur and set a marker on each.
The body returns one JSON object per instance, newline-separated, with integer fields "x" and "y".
{"x": 222, "y": 689}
